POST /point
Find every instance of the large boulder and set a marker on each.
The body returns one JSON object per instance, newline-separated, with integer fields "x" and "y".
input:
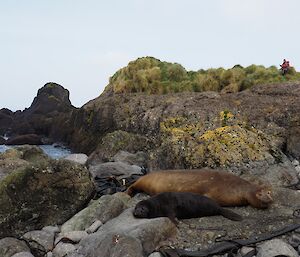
{"x": 147, "y": 232}
{"x": 10, "y": 246}
{"x": 113, "y": 142}
{"x": 41, "y": 192}
{"x": 103, "y": 209}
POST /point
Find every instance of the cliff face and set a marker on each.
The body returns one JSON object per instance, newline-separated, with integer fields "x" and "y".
{"x": 192, "y": 130}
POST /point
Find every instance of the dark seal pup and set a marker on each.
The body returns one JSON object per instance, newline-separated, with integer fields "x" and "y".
{"x": 182, "y": 206}
{"x": 224, "y": 188}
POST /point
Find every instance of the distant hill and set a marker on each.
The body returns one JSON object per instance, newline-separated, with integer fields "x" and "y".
{"x": 152, "y": 76}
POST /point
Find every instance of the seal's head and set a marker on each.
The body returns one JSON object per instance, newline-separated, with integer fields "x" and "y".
{"x": 141, "y": 210}
{"x": 265, "y": 195}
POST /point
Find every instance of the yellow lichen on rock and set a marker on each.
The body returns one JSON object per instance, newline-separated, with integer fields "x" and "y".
{"x": 223, "y": 146}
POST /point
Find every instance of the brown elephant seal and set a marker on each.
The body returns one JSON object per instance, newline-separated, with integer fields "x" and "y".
{"x": 224, "y": 188}
{"x": 182, "y": 206}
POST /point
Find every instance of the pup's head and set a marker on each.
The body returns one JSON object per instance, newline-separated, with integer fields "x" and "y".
{"x": 141, "y": 210}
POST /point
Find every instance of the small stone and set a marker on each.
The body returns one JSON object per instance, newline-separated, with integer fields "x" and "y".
{"x": 23, "y": 254}
{"x": 51, "y": 229}
{"x": 62, "y": 249}
{"x": 245, "y": 249}
{"x": 94, "y": 227}
{"x": 275, "y": 247}
{"x": 80, "y": 158}
{"x": 294, "y": 240}
{"x": 297, "y": 168}
{"x": 155, "y": 254}
{"x": 40, "y": 240}
{"x": 295, "y": 162}
{"x": 74, "y": 236}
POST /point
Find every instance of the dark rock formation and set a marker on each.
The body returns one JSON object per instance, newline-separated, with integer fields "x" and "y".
{"x": 2, "y": 141}
{"x": 5, "y": 120}
{"x": 47, "y": 116}
{"x": 29, "y": 139}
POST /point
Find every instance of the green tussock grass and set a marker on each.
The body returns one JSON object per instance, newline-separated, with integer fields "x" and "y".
{"x": 152, "y": 76}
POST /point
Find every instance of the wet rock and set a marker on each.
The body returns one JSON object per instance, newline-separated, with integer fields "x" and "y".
{"x": 103, "y": 209}
{"x": 10, "y": 246}
{"x": 40, "y": 241}
{"x": 77, "y": 157}
{"x": 275, "y": 247}
{"x": 28, "y": 139}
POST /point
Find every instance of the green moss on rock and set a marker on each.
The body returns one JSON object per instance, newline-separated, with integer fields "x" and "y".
{"x": 43, "y": 192}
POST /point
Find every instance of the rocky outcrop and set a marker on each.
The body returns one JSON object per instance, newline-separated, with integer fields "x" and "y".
{"x": 6, "y": 119}
{"x": 47, "y": 116}
{"x": 41, "y": 191}
{"x": 28, "y": 139}
{"x": 192, "y": 130}
{"x": 2, "y": 141}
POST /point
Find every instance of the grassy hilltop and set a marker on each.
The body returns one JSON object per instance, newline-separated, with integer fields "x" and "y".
{"x": 152, "y": 76}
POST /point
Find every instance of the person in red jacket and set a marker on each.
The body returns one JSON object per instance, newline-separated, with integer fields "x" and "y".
{"x": 285, "y": 66}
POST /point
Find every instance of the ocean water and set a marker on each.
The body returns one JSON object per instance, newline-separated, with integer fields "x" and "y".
{"x": 54, "y": 151}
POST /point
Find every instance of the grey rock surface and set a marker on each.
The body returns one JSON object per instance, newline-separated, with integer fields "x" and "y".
{"x": 23, "y": 254}
{"x": 138, "y": 159}
{"x": 80, "y": 158}
{"x": 39, "y": 240}
{"x": 10, "y": 246}
{"x": 275, "y": 247}
{"x": 117, "y": 169}
{"x": 103, "y": 209}
{"x": 149, "y": 232}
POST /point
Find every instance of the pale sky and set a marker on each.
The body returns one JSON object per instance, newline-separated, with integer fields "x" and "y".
{"x": 80, "y": 44}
